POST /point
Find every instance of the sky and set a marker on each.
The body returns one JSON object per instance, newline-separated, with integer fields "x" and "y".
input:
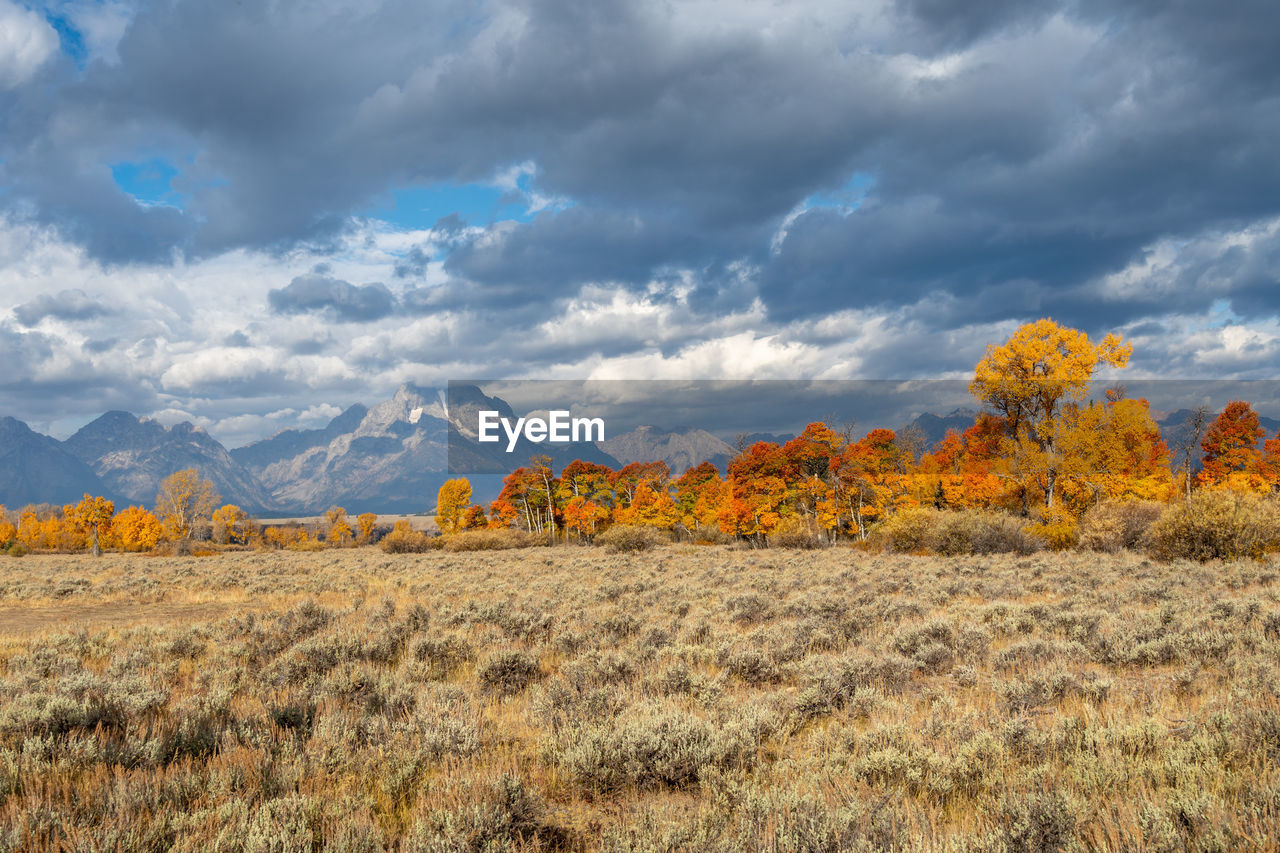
{"x": 252, "y": 215}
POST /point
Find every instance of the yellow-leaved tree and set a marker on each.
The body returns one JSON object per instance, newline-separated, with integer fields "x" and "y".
{"x": 338, "y": 528}
{"x": 136, "y": 529}
{"x": 8, "y": 532}
{"x": 185, "y": 504}
{"x": 1030, "y": 380}
{"x": 366, "y": 521}
{"x": 230, "y": 525}
{"x": 92, "y": 518}
{"x": 451, "y": 502}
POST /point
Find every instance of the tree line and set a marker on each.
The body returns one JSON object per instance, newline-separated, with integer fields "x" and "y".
{"x": 187, "y": 514}
{"x": 1041, "y": 450}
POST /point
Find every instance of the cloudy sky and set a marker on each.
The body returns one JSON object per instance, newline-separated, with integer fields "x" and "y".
{"x": 249, "y": 215}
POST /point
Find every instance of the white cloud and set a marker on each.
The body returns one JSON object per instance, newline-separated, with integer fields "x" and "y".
{"x": 26, "y": 43}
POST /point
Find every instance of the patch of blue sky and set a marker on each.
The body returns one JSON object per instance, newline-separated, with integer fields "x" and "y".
{"x": 846, "y": 198}
{"x": 149, "y": 181}
{"x": 71, "y": 39}
{"x": 1222, "y": 315}
{"x": 418, "y": 208}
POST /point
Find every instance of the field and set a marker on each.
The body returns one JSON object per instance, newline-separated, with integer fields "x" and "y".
{"x": 686, "y": 698}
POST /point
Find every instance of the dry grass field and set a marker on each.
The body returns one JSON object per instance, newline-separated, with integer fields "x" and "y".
{"x": 687, "y": 698}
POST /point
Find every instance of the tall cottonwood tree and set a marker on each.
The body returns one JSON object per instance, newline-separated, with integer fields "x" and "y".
{"x": 185, "y": 503}
{"x": 1032, "y": 377}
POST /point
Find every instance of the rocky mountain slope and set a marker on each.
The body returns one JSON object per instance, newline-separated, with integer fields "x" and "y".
{"x": 680, "y": 450}
{"x": 131, "y": 455}
{"x": 36, "y": 469}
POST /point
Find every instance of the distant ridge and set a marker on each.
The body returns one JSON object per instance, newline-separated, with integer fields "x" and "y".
{"x": 37, "y": 469}
{"x": 133, "y": 455}
{"x": 680, "y": 450}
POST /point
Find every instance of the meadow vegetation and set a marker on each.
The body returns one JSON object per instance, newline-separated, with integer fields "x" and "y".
{"x": 670, "y": 697}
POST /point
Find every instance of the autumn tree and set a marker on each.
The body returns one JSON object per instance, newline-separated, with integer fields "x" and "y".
{"x": 92, "y": 518}
{"x": 8, "y": 532}
{"x": 337, "y": 527}
{"x": 1230, "y": 446}
{"x": 230, "y": 525}
{"x": 810, "y": 455}
{"x": 650, "y": 507}
{"x": 757, "y": 485}
{"x": 451, "y": 502}
{"x": 627, "y": 478}
{"x": 528, "y": 495}
{"x": 136, "y": 529}
{"x": 1029, "y": 379}
{"x": 185, "y": 503}
{"x": 698, "y": 493}
{"x": 365, "y": 522}
{"x": 1113, "y": 450}
{"x": 872, "y": 476}
{"x": 474, "y": 518}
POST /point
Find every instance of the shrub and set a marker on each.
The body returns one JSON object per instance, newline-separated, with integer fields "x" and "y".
{"x": 629, "y": 538}
{"x": 506, "y": 814}
{"x": 17, "y": 549}
{"x": 489, "y": 540}
{"x": 794, "y": 533}
{"x": 1057, "y": 527}
{"x": 403, "y": 539}
{"x": 977, "y": 532}
{"x": 1217, "y": 524}
{"x": 707, "y": 534}
{"x": 509, "y": 672}
{"x": 1112, "y": 526}
{"x": 955, "y": 533}
{"x": 907, "y": 531}
{"x": 1043, "y": 821}
{"x": 650, "y": 747}
{"x": 750, "y": 608}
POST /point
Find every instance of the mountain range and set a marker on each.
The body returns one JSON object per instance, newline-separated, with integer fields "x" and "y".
{"x": 392, "y": 457}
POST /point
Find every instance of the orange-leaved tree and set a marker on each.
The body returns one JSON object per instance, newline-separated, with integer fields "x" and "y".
{"x": 1230, "y": 445}
{"x": 649, "y": 507}
{"x": 8, "y": 531}
{"x": 1113, "y": 450}
{"x": 757, "y": 486}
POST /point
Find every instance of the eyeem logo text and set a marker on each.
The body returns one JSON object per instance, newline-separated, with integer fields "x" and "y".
{"x": 559, "y": 428}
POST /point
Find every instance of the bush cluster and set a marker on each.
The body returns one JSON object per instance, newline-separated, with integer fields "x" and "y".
{"x": 630, "y": 538}
{"x": 403, "y": 539}
{"x": 489, "y": 540}
{"x": 1217, "y": 524}
{"x": 954, "y": 533}
{"x": 1113, "y": 526}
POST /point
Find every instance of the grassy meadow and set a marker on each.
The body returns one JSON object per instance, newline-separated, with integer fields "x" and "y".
{"x": 686, "y": 698}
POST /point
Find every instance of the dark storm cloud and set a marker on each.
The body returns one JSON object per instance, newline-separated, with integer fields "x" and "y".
{"x": 64, "y": 305}
{"x": 1018, "y": 153}
{"x": 341, "y": 300}
{"x": 557, "y": 253}
{"x": 943, "y": 24}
